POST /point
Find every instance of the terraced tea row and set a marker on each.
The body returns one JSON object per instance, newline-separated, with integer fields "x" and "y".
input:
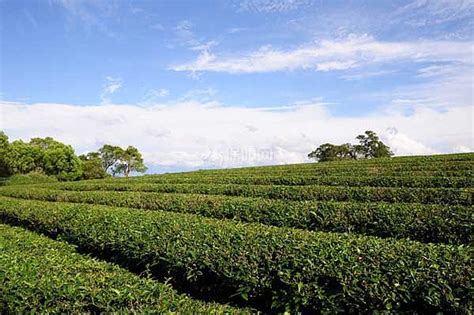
{"x": 447, "y": 196}
{"x": 39, "y": 275}
{"x": 268, "y": 266}
{"x": 352, "y": 181}
{"x": 426, "y": 223}
{"x": 439, "y": 171}
{"x": 426, "y": 160}
{"x": 356, "y": 166}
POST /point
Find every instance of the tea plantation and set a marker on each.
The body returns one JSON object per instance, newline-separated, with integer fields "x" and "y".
{"x": 368, "y": 236}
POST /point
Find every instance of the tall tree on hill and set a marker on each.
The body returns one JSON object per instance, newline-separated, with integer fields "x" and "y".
{"x": 22, "y": 158}
{"x": 130, "y": 160}
{"x": 330, "y": 152}
{"x": 92, "y": 166}
{"x": 44, "y": 155}
{"x": 116, "y": 160}
{"x": 371, "y": 146}
{"x": 110, "y": 156}
{"x": 4, "y": 144}
{"x": 58, "y": 159}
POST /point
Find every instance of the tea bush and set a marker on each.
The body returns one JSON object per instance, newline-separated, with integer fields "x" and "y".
{"x": 39, "y": 275}
{"x": 270, "y": 267}
{"x": 426, "y": 223}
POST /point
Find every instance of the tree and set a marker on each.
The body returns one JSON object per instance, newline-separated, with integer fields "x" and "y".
{"x": 4, "y": 145}
{"x": 110, "y": 156}
{"x": 22, "y": 158}
{"x": 51, "y": 157}
{"x": 130, "y": 160}
{"x": 58, "y": 159}
{"x": 345, "y": 152}
{"x": 45, "y": 143}
{"x": 44, "y": 155}
{"x": 330, "y": 152}
{"x": 92, "y": 166}
{"x": 325, "y": 152}
{"x": 371, "y": 146}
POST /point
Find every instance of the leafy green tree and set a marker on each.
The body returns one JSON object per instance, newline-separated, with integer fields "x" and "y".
{"x": 371, "y": 146}
{"x": 58, "y": 159}
{"x": 110, "y": 156}
{"x": 51, "y": 157}
{"x": 330, "y": 152}
{"x": 325, "y": 152}
{"x": 345, "y": 152}
{"x": 45, "y": 143}
{"x": 130, "y": 160}
{"x": 4, "y": 145}
{"x": 43, "y": 155}
{"x": 92, "y": 166}
{"x": 22, "y": 158}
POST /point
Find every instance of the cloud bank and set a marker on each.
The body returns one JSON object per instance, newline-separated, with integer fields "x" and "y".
{"x": 190, "y": 134}
{"x": 327, "y": 55}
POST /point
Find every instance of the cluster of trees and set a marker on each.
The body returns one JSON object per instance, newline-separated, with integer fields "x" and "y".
{"x": 112, "y": 160}
{"x": 369, "y": 147}
{"x": 51, "y": 157}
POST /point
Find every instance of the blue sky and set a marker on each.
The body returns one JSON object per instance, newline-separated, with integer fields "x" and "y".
{"x": 275, "y": 71}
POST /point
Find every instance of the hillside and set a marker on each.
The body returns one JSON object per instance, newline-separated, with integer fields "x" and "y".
{"x": 356, "y": 236}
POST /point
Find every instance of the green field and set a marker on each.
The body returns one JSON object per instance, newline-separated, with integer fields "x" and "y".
{"x": 356, "y": 236}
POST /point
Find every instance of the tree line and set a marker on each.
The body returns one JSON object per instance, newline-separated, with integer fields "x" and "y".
{"x": 369, "y": 147}
{"x": 51, "y": 157}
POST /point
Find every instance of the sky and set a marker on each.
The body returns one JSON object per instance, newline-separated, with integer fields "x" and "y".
{"x": 212, "y": 84}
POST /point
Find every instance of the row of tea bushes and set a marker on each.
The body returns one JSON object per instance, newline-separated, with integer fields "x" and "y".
{"x": 425, "y": 223}
{"x": 270, "y": 267}
{"x": 447, "y": 196}
{"x": 440, "y": 166}
{"x": 336, "y": 167}
{"x": 399, "y": 160}
{"x": 40, "y": 275}
{"x": 350, "y": 180}
{"x": 353, "y": 171}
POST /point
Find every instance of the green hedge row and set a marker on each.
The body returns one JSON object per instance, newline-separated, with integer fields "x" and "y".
{"x": 369, "y": 181}
{"x": 356, "y": 165}
{"x": 267, "y": 266}
{"x": 39, "y": 275}
{"x": 26, "y": 179}
{"x": 425, "y": 223}
{"x": 397, "y": 161}
{"x": 300, "y": 171}
{"x": 448, "y": 196}
{"x": 435, "y": 157}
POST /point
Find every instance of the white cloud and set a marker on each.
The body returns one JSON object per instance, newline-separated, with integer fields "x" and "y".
{"x": 234, "y": 30}
{"x": 351, "y": 52}
{"x": 431, "y": 12}
{"x": 366, "y": 74}
{"x": 111, "y": 85}
{"x": 464, "y": 149}
{"x": 207, "y": 134}
{"x": 153, "y": 96}
{"x": 335, "y": 65}
{"x": 448, "y": 85}
{"x": 201, "y": 95}
{"x": 186, "y": 37}
{"x": 439, "y": 70}
{"x": 267, "y": 6}
{"x": 161, "y": 92}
